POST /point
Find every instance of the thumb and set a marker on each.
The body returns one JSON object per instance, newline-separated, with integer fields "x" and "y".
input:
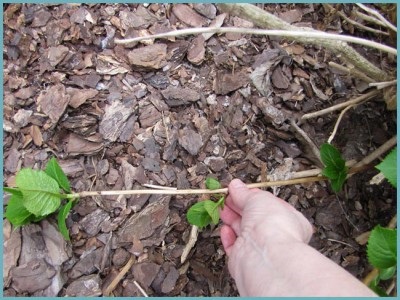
{"x": 239, "y": 193}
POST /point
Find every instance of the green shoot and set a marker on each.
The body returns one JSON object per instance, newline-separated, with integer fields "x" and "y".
{"x": 206, "y": 212}
{"x": 37, "y": 195}
{"x": 335, "y": 166}
{"x": 382, "y": 254}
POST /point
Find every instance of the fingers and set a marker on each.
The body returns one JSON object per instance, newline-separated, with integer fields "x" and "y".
{"x": 228, "y": 238}
{"x": 239, "y": 193}
{"x": 231, "y": 218}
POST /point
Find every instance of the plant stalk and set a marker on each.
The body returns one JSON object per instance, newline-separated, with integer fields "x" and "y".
{"x": 169, "y": 191}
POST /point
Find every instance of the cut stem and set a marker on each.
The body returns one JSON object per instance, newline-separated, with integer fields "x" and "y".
{"x": 169, "y": 191}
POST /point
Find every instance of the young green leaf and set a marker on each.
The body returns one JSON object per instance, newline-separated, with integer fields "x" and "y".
{"x": 338, "y": 182}
{"x": 330, "y": 156}
{"x": 388, "y": 273}
{"x": 16, "y": 212}
{"x": 335, "y": 166}
{"x": 39, "y": 190}
{"x": 212, "y": 184}
{"x": 198, "y": 215}
{"x": 212, "y": 209}
{"x": 61, "y": 217}
{"x": 382, "y": 247}
{"x": 389, "y": 167}
{"x": 54, "y": 170}
{"x": 13, "y": 191}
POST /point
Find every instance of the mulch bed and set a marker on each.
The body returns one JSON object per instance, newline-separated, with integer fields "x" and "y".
{"x": 171, "y": 113}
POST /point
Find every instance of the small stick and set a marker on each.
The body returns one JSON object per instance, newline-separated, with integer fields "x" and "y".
{"x": 391, "y": 286}
{"x": 339, "y": 106}
{"x": 369, "y": 18}
{"x": 338, "y": 121}
{"x": 120, "y": 275}
{"x": 382, "y": 85}
{"x": 286, "y": 33}
{"x": 378, "y": 15}
{"x": 159, "y": 187}
{"x": 192, "y": 191}
{"x": 355, "y": 23}
{"x": 173, "y": 191}
{"x": 190, "y": 244}
{"x": 140, "y": 288}
{"x": 304, "y": 135}
{"x": 354, "y": 72}
{"x": 378, "y": 152}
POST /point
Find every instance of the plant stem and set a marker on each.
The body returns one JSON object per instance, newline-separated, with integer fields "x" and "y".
{"x": 355, "y": 23}
{"x": 171, "y": 191}
{"x": 286, "y": 33}
{"x": 333, "y": 108}
{"x": 378, "y": 15}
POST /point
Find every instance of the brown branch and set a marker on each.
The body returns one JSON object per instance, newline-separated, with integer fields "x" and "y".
{"x": 339, "y": 106}
{"x": 264, "y": 19}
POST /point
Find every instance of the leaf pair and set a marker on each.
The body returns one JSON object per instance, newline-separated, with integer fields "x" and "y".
{"x": 335, "y": 166}
{"x": 204, "y": 212}
{"x": 37, "y": 195}
{"x": 382, "y": 254}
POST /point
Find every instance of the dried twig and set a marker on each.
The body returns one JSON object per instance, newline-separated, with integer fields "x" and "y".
{"x": 353, "y": 72}
{"x": 355, "y": 23}
{"x": 369, "y": 18}
{"x": 286, "y": 33}
{"x": 120, "y": 275}
{"x": 339, "y": 106}
{"x": 140, "y": 289}
{"x": 382, "y": 85}
{"x": 331, "y": 137}
{"x": 309, "y": 142}
{"x": 263, "y": 19}
{"x": 378, "y": 152}
{"x": 190, "y": 244}
{"x": 378, "y": 15}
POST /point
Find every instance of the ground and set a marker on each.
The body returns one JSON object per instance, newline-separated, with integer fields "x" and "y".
{"x": 172, "y": 113}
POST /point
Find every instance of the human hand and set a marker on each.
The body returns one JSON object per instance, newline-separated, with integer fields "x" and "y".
{"x": 259, "y": 215}
{"x": 266, "y": 241}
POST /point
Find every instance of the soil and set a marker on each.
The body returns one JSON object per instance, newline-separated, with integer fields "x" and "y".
{"x": 171, "y": 113}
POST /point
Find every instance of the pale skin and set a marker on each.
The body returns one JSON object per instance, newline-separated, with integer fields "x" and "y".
{"x": 266, "y": 240}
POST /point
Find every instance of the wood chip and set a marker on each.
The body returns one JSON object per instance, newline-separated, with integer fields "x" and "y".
{"x": 187, "y": 15}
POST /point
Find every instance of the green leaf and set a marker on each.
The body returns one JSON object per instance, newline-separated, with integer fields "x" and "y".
{"x": 13, "y": 191}
{"x": 212, "y": 209}
{"x": 16, "y": 212}
{"x": 378, "y": 290}
{"x": 389, "y": 167}
{"x": 62, "y": 216}
{"x": 335, "y": 166}
{"x": 330, "y": 156}
{"x": 382, "y": 247}
{"x": 339, "y": 181}
{"x": 39, "y": 190}
{"x": 212, "y": 184}
{"x": 388, "y": 273}
{"x": 330, "y": 172}
{"x": 54, "y": 170}
{"x": 198, "y": 215}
